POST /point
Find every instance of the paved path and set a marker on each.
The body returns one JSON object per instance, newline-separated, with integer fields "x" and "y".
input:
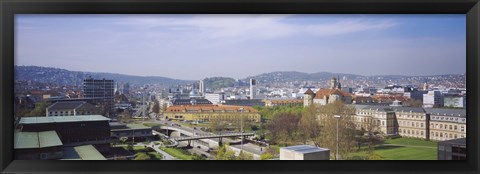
{"x": 166, "y": 156}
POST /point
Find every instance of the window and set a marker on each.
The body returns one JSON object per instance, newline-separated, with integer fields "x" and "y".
{"x": 455, "y": 127}
{"x": 421, "y": 124}
{"x": 441, "y": 134}
{"x": 43, "y": 156}
{"x": 441, "y": 126}
{"x": 450, "y": 127}
{"x": 455, "y": 135}
{"x": 462, "y": 128}
{"x": 416, "y": 124}
{"x": 421, "y": 133}
{"x": 436, "y": 134}
{"x": 408, "y": 131}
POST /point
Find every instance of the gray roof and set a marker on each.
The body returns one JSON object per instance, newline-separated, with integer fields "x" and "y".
{"x": 446, "y": 112}
{"x": 32, "y": 140}
{"x": 88, "y": 152}
{"x": 62, "y": 119}
{"x": 459, "y": 141}
{"x": 68, "y": 105}
{"x": 304, "y": 149}
{"x": 409, "y": 109}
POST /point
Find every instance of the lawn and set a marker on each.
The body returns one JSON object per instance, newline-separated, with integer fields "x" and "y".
{"x": 411, "y": 142}
{"x": 142, "y": 149}
{"x": 405, "y": 149}
{"x": 177, "y": 153}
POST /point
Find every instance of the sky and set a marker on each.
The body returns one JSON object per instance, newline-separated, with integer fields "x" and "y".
{"x": 193, "y": 47}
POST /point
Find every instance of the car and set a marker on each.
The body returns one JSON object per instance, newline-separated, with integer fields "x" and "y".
{"x": 199, "y": 147}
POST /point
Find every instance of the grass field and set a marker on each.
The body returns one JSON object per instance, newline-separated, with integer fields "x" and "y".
{"x": 177, "y": 153}
{"x": 140, "y": 149}
{"x": 405, "y": 149}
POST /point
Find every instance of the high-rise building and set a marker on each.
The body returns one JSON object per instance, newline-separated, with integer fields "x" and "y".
{"x": 103, "y": 91}
{"x": 126, "y": 88}
{"x": 201, "y": 88}
{"x": 433, "y": 99}
{"x": 253, "y": 88}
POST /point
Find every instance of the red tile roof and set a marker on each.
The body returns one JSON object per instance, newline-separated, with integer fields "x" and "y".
{"x": 326, "y": 92}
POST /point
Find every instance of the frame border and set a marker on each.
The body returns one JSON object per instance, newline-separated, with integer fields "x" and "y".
{"x": 9, "y": 8}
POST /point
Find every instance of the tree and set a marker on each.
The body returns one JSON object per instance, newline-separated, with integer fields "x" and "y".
{"x": 244, "y": 156}
{"x": 346, "y": 130}
{"x": 414, "y": 103}
{"x": 283, "y": 128}
{"x": 125, "y": 116}
{"x": 198, "y": 157}
{"x": 224, "y": 154}
{"x": 266, "y": 156}
{"x": 372, "y": 134}
{"x": 142, "y": 156}
{"x": 310, "y": 126}
{"x": 39, "y": 110}
{"x": 156, "y": 108}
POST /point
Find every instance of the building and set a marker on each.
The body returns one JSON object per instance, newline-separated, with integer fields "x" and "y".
{"x": 138, "y": 132}
{"x": 454, "y": 100}
{"x": 193, "y": 101}
{"x": 326, "y": 96}
{"x": 381, "y": 116}
{"x": 71, "y": 108}
{"x": 201, "y": 88}
{"x": 103, "y": 90}
{"x": 126, "y": 88}
{"x": 433, "y": 99}
{"x": 253, "y": 88}
{"x": 244, "y": 102}
{"x": 85, "y": 152}
{"x": 284, "y": 102}
{"x": 455, "y": 149}
{"x": 44, "y": 145}
{"x": 72, "y": 130}
{"x": 215, "y": 98}
{"x": 52, "y": 137}
{"x": 211, "y": 113}
{"x": 436, "y": 124}
{"x": 447, "y": 124}
{"x": 304, "y": 152}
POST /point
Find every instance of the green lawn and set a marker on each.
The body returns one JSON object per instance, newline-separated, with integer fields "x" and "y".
{"x": 140, "y": 149}
{"x": 152, "y": 124}
{"x": 411, "y": 142}
{"x": 177, "y": 153}
{"x": 405, "y": 149}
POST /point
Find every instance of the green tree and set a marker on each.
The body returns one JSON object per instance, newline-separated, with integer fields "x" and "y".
{"x": 244, "y": 156}
{"x": 142, "y": 156}
{"x": 156, "y": 108}
{"x": 224, "y": 154}
{"x": 283, "y": 128}
{"x": 310, "y": 126}
{"x": 39, "y": 110}
{"x": 266, "y": 156}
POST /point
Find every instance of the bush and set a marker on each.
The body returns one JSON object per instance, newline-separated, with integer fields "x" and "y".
{"x": 142, "y": 156}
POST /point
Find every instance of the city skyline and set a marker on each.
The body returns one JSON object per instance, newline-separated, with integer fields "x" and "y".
{"x": 198, "y": 46}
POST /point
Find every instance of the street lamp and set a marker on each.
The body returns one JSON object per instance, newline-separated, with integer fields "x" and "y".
{"x": 241, "y": 127}
{"x": 336, "y": 150}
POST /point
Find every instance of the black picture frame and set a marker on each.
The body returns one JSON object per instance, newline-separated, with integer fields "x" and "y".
{"x": 8, "y": 8}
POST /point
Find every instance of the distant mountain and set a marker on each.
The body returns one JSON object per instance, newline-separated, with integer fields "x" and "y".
{"x": 289, "y": 76}
{"x": 66, "y": 77}
{"x": 218, "y": 82}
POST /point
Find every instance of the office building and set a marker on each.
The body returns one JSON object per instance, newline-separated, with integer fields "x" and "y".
{"x": 253, "y": 88}
{"x": 103, "y": 90}
{"x": 216, "y": 98}
{"x": 455, "y": 149}
{"x": 433, "y": 99}
{"x": 202, "y": 88}
{"x": 455, "y": 100}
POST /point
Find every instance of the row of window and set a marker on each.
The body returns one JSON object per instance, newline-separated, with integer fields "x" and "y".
{"x": 447, "y": 127}
{"x": 437, "y": 135}
{"x": 411, "y": 132}
{"x": 411, "y": 124}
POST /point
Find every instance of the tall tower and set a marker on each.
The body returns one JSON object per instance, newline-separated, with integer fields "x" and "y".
{"x": 102, "y": 91}
{"x": 339, "y": 85}
{"x": 333, "y": 83}
{"x": 201, "y": 87}
{"x": 253, "y": 88}
{"x": 425, "y": 85}
{"x": 308, "y": 97}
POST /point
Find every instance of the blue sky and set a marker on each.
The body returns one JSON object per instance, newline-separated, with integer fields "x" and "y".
{"x": 198, "y": 46}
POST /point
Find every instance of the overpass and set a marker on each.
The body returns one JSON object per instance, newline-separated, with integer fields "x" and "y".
{"x": 198, "y": 135}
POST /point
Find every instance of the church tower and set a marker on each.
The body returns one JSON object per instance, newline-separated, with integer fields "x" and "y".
{"x": 308, "y": 97}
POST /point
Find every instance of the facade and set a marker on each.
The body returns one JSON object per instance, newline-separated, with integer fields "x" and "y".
{"x": 424, "y": 123}
{"x": 193, "y": 101}
{"x": 243, "y": 102}
{"x": 286, "y": 102}
{"x": 447, "y": 124}
{"x": 215, "y": 98}
{"x": 326, "y": 96}
{"x": 211, "y": 113}
{"x": 304, "y": 152}
{"x": 433, "y": 99}
{"x": 103, "y": 90}
{"x": 136, "y": 131}
{"x": 455, "y": 149}
{"x": 455, "y": 100}
{"x": 72, "y": 130}
{"x": 71, "y": 108}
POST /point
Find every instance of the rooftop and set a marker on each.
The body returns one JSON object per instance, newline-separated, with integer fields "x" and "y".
{"x": 459, "y": 141}
{"x": 304, "y": 149}
{"x": 181, "y": 108}
{"x": 88, "y": 152}
{"x": 132, "y": 127}
{"x": 62, "y": 119}
{"x": 446, "y": 112}
{"x": 68, "y": 105}
{"x": 31, "y": 140}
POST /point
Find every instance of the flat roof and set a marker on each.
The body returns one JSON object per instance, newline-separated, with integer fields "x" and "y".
{"x": 133, "y": 127}
{"x": 88, "y": 152}
{"x": 459, "y": 141}
{"x": 304, "y": 149}
{"x": 62, "y": 119}
{"x": 32, "y": 140}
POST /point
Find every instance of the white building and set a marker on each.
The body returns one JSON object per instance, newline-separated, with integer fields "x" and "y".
{"x": 216, "y": 98}
{"x": 454, "y": 100}
{"x": 253, "y": 88}
{"x": 304, "y": 152}
{"x": 433, "y": 99}
{"x": 201, "y": 87}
